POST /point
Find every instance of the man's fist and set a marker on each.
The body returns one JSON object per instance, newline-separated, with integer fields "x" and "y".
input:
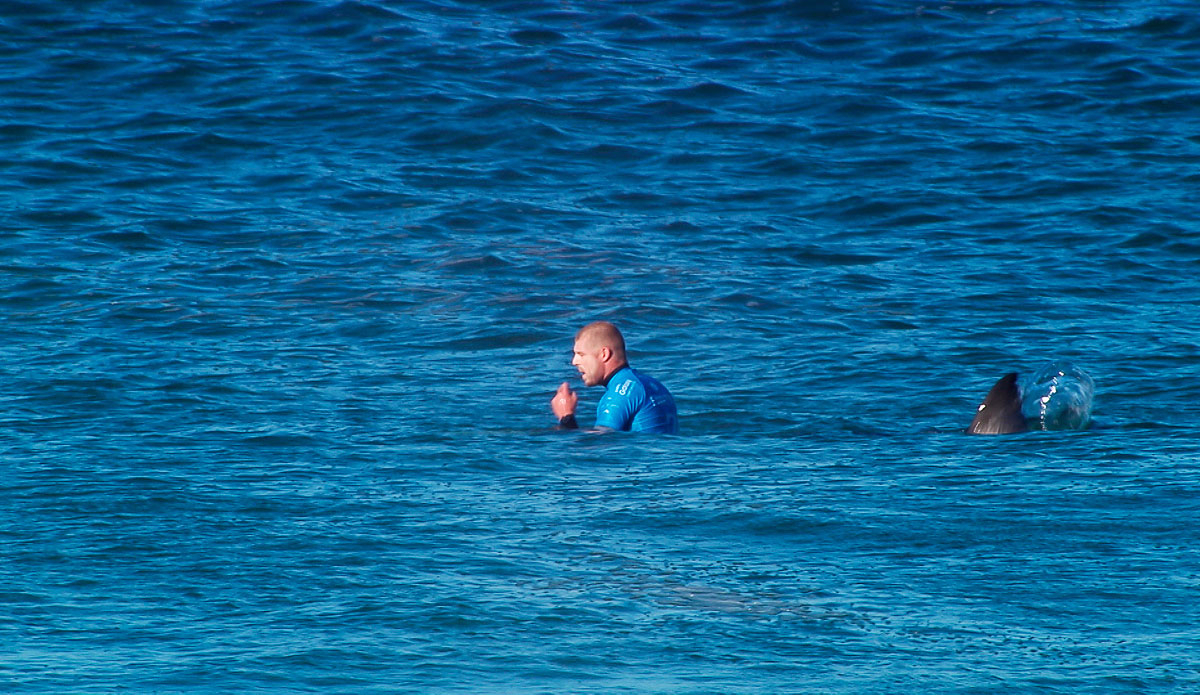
{"x": 564, "y": 401}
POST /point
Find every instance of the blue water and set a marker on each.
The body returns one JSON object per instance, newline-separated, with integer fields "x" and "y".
{"x": 287, "y": 287}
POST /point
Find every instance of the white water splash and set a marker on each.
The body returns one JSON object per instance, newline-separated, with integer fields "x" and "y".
{"x": 1059, "y": 397}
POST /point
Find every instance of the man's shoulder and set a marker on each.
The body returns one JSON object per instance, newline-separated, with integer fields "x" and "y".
{"x": 649, "y": 383}
{"x": 625, "y": 383}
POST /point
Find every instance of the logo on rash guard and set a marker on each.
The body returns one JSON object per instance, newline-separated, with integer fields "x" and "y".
{"x": 624, "y": 387}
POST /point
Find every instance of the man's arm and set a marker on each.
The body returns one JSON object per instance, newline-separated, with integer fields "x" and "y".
{"x": 619, "y": 405}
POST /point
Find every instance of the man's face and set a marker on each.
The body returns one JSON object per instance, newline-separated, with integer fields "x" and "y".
{"x": 588, "y": 361}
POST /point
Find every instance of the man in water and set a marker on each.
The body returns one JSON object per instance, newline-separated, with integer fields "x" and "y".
{"x": 632, "y": 401}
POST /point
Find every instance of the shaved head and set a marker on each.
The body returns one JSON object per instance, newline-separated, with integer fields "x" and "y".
{"x": 602, "y": 334}
{"x": 599, "y": 352}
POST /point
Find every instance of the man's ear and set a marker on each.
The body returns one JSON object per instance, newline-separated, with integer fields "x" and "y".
{"x": 606, "y": 353}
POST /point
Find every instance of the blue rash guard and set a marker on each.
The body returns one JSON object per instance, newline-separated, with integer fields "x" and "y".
{"x": 634, "y": 402}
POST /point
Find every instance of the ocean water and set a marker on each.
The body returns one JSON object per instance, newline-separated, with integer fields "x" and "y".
{"x": 288, "y": 285}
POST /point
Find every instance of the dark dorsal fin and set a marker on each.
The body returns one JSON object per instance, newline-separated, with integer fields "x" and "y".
{"x": 1000, "y": 412}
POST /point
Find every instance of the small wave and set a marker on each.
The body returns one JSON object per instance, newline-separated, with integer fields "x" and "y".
{"x": 537, "y": 37}
{"x": 749, "y": 301}
{"x": 706, "y": 91}
{"x": 346, "y": 19}
{"x": 282, "y": 440}
{"x": 632, "y": 23}
{"x": 824, "y": 257}
{"x": 474, "y": 263}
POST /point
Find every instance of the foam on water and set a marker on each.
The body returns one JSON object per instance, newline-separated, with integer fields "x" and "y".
{"x": 1059, "y": 397}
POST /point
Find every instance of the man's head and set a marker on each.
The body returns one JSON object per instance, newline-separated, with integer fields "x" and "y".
{"x": 599, "y": 352}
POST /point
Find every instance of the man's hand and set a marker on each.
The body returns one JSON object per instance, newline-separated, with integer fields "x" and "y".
{"x": 564, "y": 401}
